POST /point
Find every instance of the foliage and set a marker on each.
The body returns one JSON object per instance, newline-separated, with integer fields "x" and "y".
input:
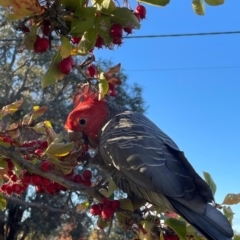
{"x": 59, "y": 38}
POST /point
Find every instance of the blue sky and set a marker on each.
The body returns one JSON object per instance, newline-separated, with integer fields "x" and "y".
{"x": 192, "y": 85}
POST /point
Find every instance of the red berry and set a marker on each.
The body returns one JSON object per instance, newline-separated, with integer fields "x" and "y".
{"x": 4, "y": 186}
{"x": 38, "y": 151}
{"x": 7, "y": 140}
{"x": 115, "y": 204}
{"x": 78, "y": 178}
{"x": 76, "y": 40}
{"x": 95, "y": 209}
{"x": 87, "y": 182}
{"x": 116, "y": 31}
{"x": 44, "y": 144}
{"x": 65, "y": 66}
{"x": 41, "y": 45}
{"x": 106, "y": 201}
{"x": 87, "y": 174}
{"x": 45, "y": 181}
{"x": 117, "y": 40}
{"x": 46, "y": 166}
{"x": 26, "y": 179}
{"x": 99, "y": 42}
{"x": 14, "y": 178}
{"x": 39, "y": 189}
{"x": 70, "y": 59}
{"x": 9, "y": 189}
{"x": 107, "y": 212}
{"x": 141, "y": 10}
{"x": 16, "y": 188}
{"x": 51, "y": 188}
{"x": 9, "y": 163}
{"x": 92, "y": 70}
{"x": 137, "y": 16}
{"x": 35, "y": 179}
{"x": 128, "y": 30}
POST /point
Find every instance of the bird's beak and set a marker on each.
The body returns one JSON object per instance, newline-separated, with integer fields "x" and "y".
{"x": 74, "y": 136}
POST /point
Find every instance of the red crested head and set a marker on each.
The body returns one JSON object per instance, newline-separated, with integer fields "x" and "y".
{"x": 88, "y": 116}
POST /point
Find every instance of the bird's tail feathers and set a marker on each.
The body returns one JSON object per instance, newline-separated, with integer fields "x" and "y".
{"x": 213, "y": 225}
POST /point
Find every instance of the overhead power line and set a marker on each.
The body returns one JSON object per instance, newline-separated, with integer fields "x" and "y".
{"x": 185, "y": 34}
{"x": 152, "y": 36}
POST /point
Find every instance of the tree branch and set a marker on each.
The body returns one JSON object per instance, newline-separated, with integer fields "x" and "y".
{"x": 35, "y": 205}
{"x": 15, "y": 156}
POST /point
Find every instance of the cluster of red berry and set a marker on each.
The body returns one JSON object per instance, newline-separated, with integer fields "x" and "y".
{"x": 105, "y": 209}
{"x": 18, "y": 183}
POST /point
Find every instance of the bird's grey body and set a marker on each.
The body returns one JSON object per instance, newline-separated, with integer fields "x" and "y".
{"x": 148, "y": 163}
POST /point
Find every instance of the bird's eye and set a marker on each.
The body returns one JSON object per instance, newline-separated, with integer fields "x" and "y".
{"x": 82, "y": 121}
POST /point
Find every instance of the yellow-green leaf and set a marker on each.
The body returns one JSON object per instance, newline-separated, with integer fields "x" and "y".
{"x": 101, "y": 223}
{"x": 59, "y": 149}
{"x": 214, "y": 2}
{"x": 231, "y": 199}
{"x": 210, "y": 182}
{"x": 3, "y": 202}
{"x": 21, "y": 8}
{"x": 178, "y": 226}
{"x": 126, "y": 204}
{"x": 30, "y": 37}
{"x": 82, "y": 207}
{"x": 66, "y": 47}
{"x": 37, "y": 112}
{"x": 161, "y": 3}
{"x": 87, "y": 42}
{"x": 111, "y": 188}
{"x": 103, "y": 86}
{"x": 198, "y": 7}
{"x": 53, "y": 74}
{"x": 11, "y": 108}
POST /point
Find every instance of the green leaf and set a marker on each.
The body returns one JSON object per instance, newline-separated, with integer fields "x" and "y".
{"x": 126, "y": 204}
{"x": 30, "y": 37}
{"x": 87, "y": 42}
{"x": 3, "y": 202}
{"x": 59, "y": 149}
{"x": 210, "y": 182}
{"x": 111, "y": 188}
{"x": 103, "y": 25}
{"x": 214, "y": 2}
{"x": 84, "y": 20}
{"x": 80, "y": 26}
{"x": 66, "y": 47}
{"x": 161, "y": 3}
{"x": 198, "y": 7}
{"x": 228, "y": 213}
{"x": 178, "y": 226}
{"x": 125, "y": 17}
{"x": 231, "y": 199}
{"x": 11, "y": 108}
{"x": 107, "y": 6}
{"x": 121, "y": 218}
{"x": 73, "y": 3}
{"x": 53, "y": 74}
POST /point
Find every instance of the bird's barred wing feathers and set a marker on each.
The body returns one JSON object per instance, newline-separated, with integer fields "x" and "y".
{"x": 141, "y": 151}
